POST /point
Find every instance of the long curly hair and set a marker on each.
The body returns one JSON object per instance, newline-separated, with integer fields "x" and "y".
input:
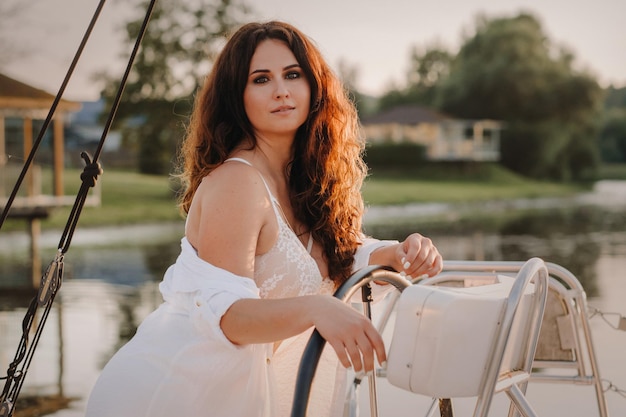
{"x": 327, "y": 170}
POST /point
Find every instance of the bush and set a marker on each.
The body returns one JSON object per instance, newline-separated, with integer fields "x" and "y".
{"x": 400, "y": 155}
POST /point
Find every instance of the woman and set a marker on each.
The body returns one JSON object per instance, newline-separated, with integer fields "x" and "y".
{"x": 273, "y": 171}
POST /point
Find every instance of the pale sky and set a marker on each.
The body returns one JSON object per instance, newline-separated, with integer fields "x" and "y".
{"x": 375, "y": 36}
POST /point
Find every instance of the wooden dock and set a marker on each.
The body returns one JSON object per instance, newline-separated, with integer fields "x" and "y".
{"x": 22, "y": 110}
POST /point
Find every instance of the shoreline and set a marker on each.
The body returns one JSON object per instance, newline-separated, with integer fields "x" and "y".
{"x": 608, "y": 194}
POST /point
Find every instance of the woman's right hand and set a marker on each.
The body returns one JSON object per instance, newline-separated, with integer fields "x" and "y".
{"x": 353, "y": 336}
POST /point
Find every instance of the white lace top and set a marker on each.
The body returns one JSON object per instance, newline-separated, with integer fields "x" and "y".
{"x": 287, "y": 269}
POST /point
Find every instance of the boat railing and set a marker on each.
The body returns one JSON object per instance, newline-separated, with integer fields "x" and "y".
{"x": 563, "y": 343}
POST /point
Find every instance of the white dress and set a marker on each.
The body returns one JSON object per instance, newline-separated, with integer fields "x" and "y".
{"x": 179, "y": 363}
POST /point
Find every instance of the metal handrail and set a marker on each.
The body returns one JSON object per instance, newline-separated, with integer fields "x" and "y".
{"x": 577, "y": 295}
{"x": 535, "y": 270}
{"x": 313, "y": 351}
{"x": 361, "y": 279}
{"x": 558, "y": 274}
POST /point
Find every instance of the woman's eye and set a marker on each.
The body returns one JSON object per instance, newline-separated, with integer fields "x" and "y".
{"x": 292, "y": 75}
{"x": 260, "y": 80}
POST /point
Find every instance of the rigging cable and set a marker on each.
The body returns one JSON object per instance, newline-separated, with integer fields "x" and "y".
{"x": 620, "y": 325}
{"x": 51, "y": 280}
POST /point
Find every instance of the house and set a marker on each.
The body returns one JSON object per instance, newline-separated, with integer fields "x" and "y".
{"x": 22, "y": 111}
{"x": 445, "y": 138}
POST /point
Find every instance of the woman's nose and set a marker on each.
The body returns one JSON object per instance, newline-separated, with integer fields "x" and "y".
{"x": 281, "y": 89}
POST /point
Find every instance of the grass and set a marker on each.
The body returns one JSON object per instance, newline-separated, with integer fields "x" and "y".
{"x": 126, "y": 198}
{"x": 456, "y": 184}
{"x": 387, "y": 192}
{"x": 131, "y": 198}
{"x": 613, "y": 171}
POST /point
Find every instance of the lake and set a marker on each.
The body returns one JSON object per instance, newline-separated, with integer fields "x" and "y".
{"x": 111, "y": 279}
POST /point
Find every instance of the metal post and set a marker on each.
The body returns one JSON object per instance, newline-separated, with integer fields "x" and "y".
{"x": 366, "y": 294}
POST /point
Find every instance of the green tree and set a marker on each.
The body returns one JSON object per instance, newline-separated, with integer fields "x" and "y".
{"x": 615, "y": 97}
{"x": 509, "y": 70}
{"x": 181, "y": 42}
{"x": 428, "y": 67}
{"x": 612, "y": 136}
{"x": 349, "y": 75}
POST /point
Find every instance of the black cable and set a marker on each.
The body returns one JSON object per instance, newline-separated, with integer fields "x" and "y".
{"x": 53, "y": 277}
{"x": 46, "y": 123}
{"x": 92, "y": 168}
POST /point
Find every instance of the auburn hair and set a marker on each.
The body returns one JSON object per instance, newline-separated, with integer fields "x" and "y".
{"x": 327, "y": 170}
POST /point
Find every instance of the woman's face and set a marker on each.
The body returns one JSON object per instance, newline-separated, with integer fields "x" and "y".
{"x": 277, "y": 94}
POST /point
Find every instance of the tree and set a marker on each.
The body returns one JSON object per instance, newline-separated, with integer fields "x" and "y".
{"x": 429, "y": 66}
{"x": 349, "y": 76}
{"x": 509, "y": 70}
{"x": 612, "y": 137}
{"x": 178, "y": 49}
{"x": 615, "y": 97}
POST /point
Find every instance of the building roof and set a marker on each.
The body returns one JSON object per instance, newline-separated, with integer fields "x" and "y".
{"x": 15, "y": 94}
{"x": 406, "y": 115}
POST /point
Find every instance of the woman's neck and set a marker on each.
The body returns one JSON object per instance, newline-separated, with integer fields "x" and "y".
{"x": 271, "y": 158}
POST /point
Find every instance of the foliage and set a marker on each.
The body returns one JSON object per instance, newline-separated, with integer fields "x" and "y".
{"x": 403, "y": 155}
{"x": 612, "y": 137}
{"x": 349, "y": 76}
{"x": 615, "y": 97}
{"x": 507, "y": 69}
{"x": 449, "y": 171}
{"x": 510, "y": 71}
{"x": 181, "y": 42}
{"x": 612, "y": 171}
{"x": 429, "y": 66}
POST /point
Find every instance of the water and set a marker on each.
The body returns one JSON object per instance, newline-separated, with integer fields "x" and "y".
{"x": 112, "y": 276}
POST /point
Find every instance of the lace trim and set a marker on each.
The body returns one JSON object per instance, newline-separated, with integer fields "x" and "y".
{"x": 287, "y": 269}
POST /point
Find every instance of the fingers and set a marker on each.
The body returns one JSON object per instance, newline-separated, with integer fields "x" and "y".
{"x": 437, "y": 266}
{"x": 420, "y": 257}
{"x": 351, "y": 334}
{"x": 379, "y": 347}
{"x": 358, "y": 361}
{"x": 361, "y": 354}
{"x": 368, "y": 349}
{"x": 340, "y": 349}
{"x": 358, "y": 349}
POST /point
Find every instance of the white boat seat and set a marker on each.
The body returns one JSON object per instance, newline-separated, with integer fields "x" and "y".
{"x": 469, "y": 340}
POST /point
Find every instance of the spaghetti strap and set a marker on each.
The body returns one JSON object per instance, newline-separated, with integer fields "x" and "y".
{"x": 278, "y": 210}
{"x": 262, "y": 179}
{"x": 240, "y": 160}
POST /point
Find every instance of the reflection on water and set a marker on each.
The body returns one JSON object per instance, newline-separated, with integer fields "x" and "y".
{"x": 109, "y": 289}
{"x": 572, "y": 237}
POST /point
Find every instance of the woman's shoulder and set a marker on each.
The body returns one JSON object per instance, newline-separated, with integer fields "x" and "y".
{"x": 231, "y": 200}
{"x": 234, "y": 182}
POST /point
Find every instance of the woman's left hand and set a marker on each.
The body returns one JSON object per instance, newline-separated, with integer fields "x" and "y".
{"x": 417, "y": 256}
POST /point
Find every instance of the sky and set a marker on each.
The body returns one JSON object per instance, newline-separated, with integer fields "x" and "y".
{"x": 373, "y": 36}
